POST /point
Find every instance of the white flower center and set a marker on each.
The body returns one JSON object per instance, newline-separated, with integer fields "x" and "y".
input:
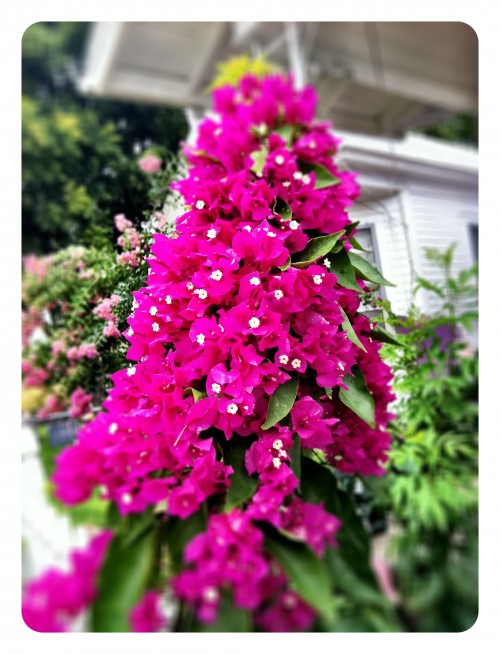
{"x": 293, "y": 224}
{"x": 131, "y": 371}
{"x": 279, "y": 160}
{"x": 190, "y": 286}
{"x": 297, "y": 175}
{"x": 153, "y": 311}
{"x": 254, "y": 323}
{"x": 278, "y": 294}
{"x": 327, "y": 263}
{"x": 216, "y": 387}
{"x": 168, "y": 299}
{"x": 113, "y": 427}
{"x": 200, "y": 204}
{"x": 286, "y": 184}
{"x": 296, "y": 363}
{"x": 317, "y": 279}
{"x": 255, "y": 281}
{"x": 247, "y": 228}
{"x": 284, "y": 359}
{"x": 232, "y": 408}
{"x": 277, "y": 462}
{"x": 200, "y": 339}
{"x": 201, "y": 293}
{"x": 306, "y": 179}
{"x": 155, "y": 327}
{"x": 211, "y": 594}
{"x": 211, "y": 233}
{"x": 278, "y": 444}
{"x": 217, "y": 275}
{"x": 127, "y": 498}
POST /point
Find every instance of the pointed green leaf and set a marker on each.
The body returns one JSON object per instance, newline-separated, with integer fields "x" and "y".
{"x": 340, "y": 264}
{"x": 230, "y": 618}
{"x": 323, "y": 176}
{"x": 259, "y": 161}
{"x": 281, "y": 402}
{"x": 348, "y": 231}
{"x": 282, "y": 208}
{"x": 316, "y": 248}
{"x": 287, "y": 264}
{"x": 380, "y": 334}
{"x": 287, "y": 133}
{"x": 358, "y": 398}
{"x": 307, "y": 574}
{"x": 351, "y": 334}
{"x": 198, "y": 395}
{"x": 366, "y": 271}
{"x": 357, "y": 245}
{"x": 179, "y": 532}
{"x": 123, "y": 579}
{"x": 243, "y": 486}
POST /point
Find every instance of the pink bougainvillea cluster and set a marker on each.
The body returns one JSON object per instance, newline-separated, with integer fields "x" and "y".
{"x": 225, "y": 319}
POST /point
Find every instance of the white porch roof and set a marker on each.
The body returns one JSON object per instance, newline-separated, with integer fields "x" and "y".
{"x": 374, "y": 78}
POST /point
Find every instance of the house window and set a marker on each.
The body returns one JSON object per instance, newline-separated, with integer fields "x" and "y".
{"x": 365, "y": 236}
{"x": 474, "y": 241}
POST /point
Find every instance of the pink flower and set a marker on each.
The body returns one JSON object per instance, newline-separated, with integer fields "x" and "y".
{"x": 150, "y": 164}
{"x": 110, "y": 330}
{"x": 80, "y": 403}
{"x": 121, "y": 223}
{"x": 147, "y": 614}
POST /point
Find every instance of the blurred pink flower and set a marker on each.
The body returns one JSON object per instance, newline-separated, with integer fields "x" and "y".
{"x": 150, "y": 164}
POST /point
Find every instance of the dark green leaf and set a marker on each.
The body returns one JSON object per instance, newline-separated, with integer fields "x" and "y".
{"x": 366, "y": 271}
{"x": 316, "y": 248}
{"x": 307, "y": 574}
{"x": 259, "y": 160}
{"x": 380, "y": 334}
{"x": 283, "y": 209}
{"x": 357, "y": 245}
{"x": 358, "y": 398}
{"x": 295, "y": 456}
{"x": 351, "y": 334}
{"x": 341, "y": 266}
{"x": 198, "y": 395}
{"x": 324, "y": 177}
{"x": 179, "y": 532}
{"x": 287, "y": 264}
{"x": 136, "y": 524}
{"x": 287, "y": 133}
{"x": 281, "y": 402}
{"x": 123, "y": 579}
{"x": 243, "y": 486}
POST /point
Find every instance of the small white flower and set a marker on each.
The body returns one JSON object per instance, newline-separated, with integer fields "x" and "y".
{"x": 296, "y": 363}
{"x": 254, "y": 323}
{"x": 211, "y": 233}
{"x": 255, "y": 281}
{"x": 168, "y": 299}
{"x": 211, "y": 594}
{"x": 153, "y": 311}
{"x": 247, "y": 228}
{"x": 306, "y": 179}
{"x": 131, "y": 371}
{"x": 221, "y": 328}
{"x": 341, "y": 365}
{"x": 297, "y": 175}
{"x": 289, "y": 602}
{"x": 155, "y": 327}
{"x": 293, "y": 224}
{"x": 278, "y": 444}
{"x": 217, "y": 275}
{"x": 327, "y": 263}
{"x": 127, "y": 498}
{"x": 200, "y": 339}
{"x": 286, "y": 184}
{"x": 190, "y": 286}
{"x": 312, "y": 145}
{"x": 271, "y": 234}
{"x": 218, "y": 131}
{"x": 279, "y": 160}
{"x": 278, "y": 294}
{"x": 277, "y": 462}
{"x": 201, "y": 293}
{"x": 317, "y": 279}
{"x": 135, "y": 304}
{"x": 232, "y": 408}
{"x": 284, "y": 359}
{"x": 113, "y": 427}
{"x": 200, "y": 204}
{"x": 216, "y": 387}
{"x": 130, "y": 331}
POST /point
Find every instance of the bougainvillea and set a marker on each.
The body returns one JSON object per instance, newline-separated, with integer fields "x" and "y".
{"x": 247, "y": 354}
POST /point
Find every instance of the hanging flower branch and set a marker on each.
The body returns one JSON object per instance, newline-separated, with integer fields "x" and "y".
{"x": 255, "y": 386}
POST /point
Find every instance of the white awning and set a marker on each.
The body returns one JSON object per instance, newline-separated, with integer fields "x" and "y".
{"x": 376, "y": 78}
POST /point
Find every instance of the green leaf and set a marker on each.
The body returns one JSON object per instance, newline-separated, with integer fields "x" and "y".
{"x": 324, "y": 177}
{"x": 281, "y": 402}
{"x": 307, "y": 574}
{"x": 295, "y": 456}
{"x": 342, "y": 267}
{"x": 243, "y": 486}
{"x": 351, "y": 334}
{"x": 287, "y": 133}
{"x": 357, "y": 245}
{"x": 179, "y": 532}
{"x": 316, "y": 248}
{"x": 358, "y": 398}
{"x": 287, "y": 264}
{"x": 282, "y": 208}
{"x": 366, "y": 271}
{"x": 380, "y": 334}
{"x": 198, "y": 395}
{"x": 259, "y": 161}
{"x": 123, "y": 579}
